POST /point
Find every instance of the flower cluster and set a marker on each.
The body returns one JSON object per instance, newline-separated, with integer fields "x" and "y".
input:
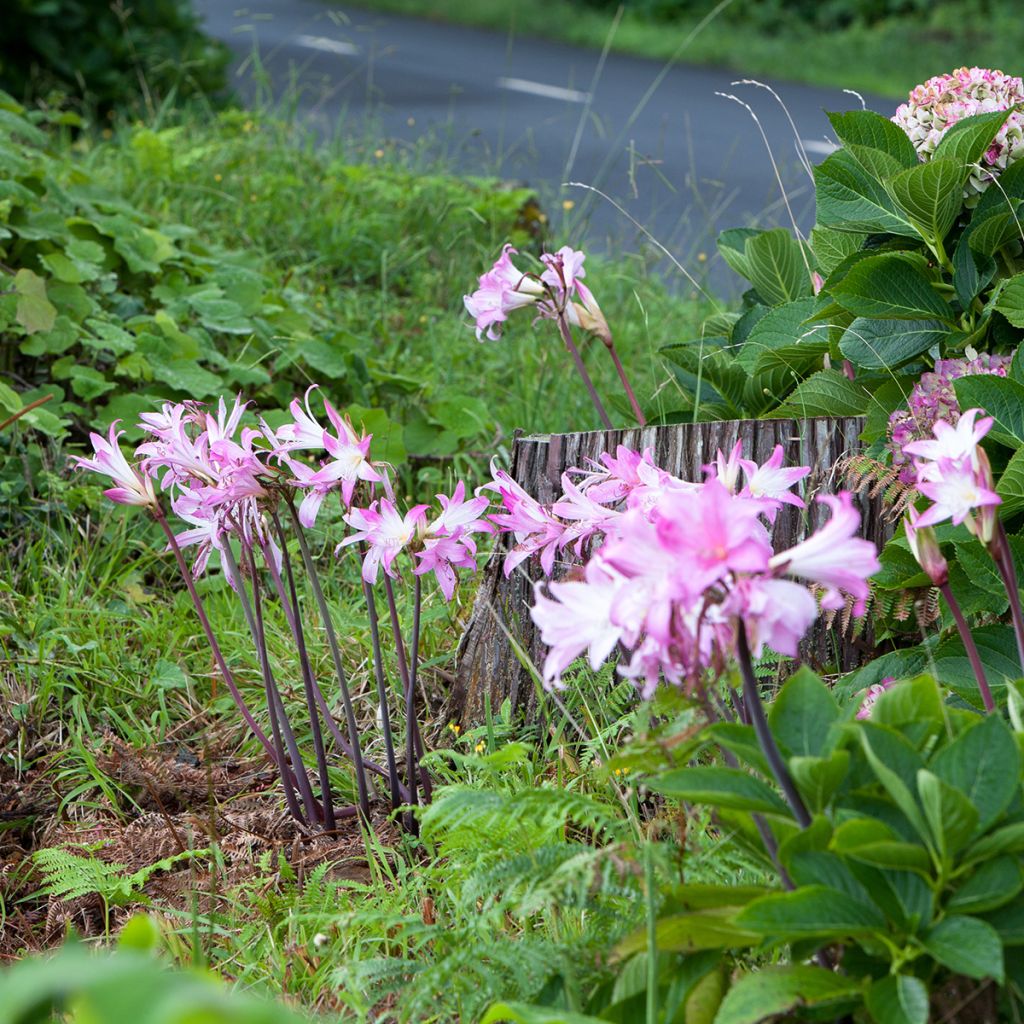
{"x": 558, "y": 290}
{"x": 933, "y": 400}
{"x": 224, "y": 480}
{"x": 672, "y": 566}
{"x": 934, "y": 107}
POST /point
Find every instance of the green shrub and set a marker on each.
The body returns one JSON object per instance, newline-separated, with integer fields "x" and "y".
{"x": 107, "y": 54}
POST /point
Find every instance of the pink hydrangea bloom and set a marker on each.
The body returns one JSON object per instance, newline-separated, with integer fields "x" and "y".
{"x": 871, "y": 696}
{"x": 933, "y": 400}
{"x": 935, "y": 106}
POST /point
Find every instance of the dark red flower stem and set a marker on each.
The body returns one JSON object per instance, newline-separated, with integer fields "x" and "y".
{"x": 619, "y": 369}
{"x": 566, "y": 332}
{"x": 1003, "y": 554}
{"x": 970, "y": 647}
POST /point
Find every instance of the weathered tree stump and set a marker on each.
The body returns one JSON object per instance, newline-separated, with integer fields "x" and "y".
{"x": 488, "y": 664}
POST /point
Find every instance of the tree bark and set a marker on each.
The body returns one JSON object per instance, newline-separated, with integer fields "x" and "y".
{"x": 500, "y": 643}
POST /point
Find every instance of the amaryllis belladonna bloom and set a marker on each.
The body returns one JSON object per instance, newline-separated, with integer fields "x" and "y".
{"x": 132, "y": 487}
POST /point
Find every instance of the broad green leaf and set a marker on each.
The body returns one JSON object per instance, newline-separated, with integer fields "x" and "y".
{"x": 186, "y": 375}
{"x": 994, "y": 883}
{"x": 884, "y": 344}
{"x": 851, "y": 196}
{"x": 951, "y": 816}
{"x": 825, "y": 393}
{"x": 818, "y": 778}
{"x": 1008, "y": 839}
{"x": 688, "y": 933}
{"x": 9, "y": 398}
{"x": 705, "y": 997}
{"x": 1011, "y": 485}
{"x": 732, "y": 245}
{"x": 983, "y": 763}
{"x": 866, "y": 128}
{"x": 967, "y": 140}
{"x": 35, "y": 312}
{"x": 816, "y": 867}
{"x": 802, "y": 714}
{"x": 898, "y": 999}
{"x": 1011, "y": 300}
{"x": 831, "y": 247}
{"x": 893, "y": 856}
{"x": 740, "y": 740}
{"x": 772, "y": 991}
{"x": 895, "y": 763}
{"x": 1000, "y": 397}
{"x": 720, "y": 787}
{"x": 781, "y": 326}
{"x": 1008, "y": 922}
{"x": 690, "y": 896}
{"x": 931, "y": 195}
{"x": 777, "y": 266}
{"x": 910, "y": 700}
{"x": 809, "y": 912}
{"x": 890, "y": 286}
{"x": 968, "y": 946}
{"x": 972, "y": 272}
{"x": 523, "y": 1013}
{"x": 987, "y": 235}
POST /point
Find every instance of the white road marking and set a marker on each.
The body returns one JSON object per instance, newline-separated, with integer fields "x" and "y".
{"x": 551, "y": 92}
{"x": 328, "y": 45}
{"x": 822, "y": 147}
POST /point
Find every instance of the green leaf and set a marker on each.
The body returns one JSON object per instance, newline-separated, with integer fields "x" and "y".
{"x": 802, "y": 714}
{"x": 895, "y": 763}
{"x": 185, "y": 375}
{"x": 388, "y": 443}
{"x": 1011, "y": 300}
{"x": 772, "y": 991}
{"x": 890, "y": 286}
{"x": 884, "y": 344}
{"x": 984, "y": 763}
{"x": 972, "y": 272}
{"x": 994, "y": 883}
{"x": 951, "y": 816}
{"x": 689, "y": 933}
{"x": 986, "y": 235}
{"x": 818, "y": 778}
{"x": 35, "y": 312}
{"x": 866, "y": 128}
{"x": 732, "y": 245}
{"x": 931, "y": 195}
{"x": 523, "y": 1013}
{"x": 832, "y": 246}
{"x": 893, "y": 855}
{"x": 967, "y": 946}
{"x": 967, "y": 140}
{"x": 812, "y": 911}
{"x": 850, "y": 194}
{"x": 777, "y": 266}
{"x": 1008, "y": 839}
{"x": 1000, "y": 397}
{"x": 1011, "y": 485}
{"x": 782, "y": 326}
{"x": 898, "y": 999}
{"x": 825, "y": 393}
{"x": 910, "y": 700}
{"x": 720, "y": 787}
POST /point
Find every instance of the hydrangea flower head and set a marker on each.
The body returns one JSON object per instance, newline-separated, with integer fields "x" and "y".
{"x": 935, "y": 106}
{"x": 933, "y": 400}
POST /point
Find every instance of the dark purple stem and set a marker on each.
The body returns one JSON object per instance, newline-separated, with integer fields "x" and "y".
{"x": 640, "y": 418}
{"x": 1008, "y": 571}
{"x": 969, "y": 646}
{"x": 218, "y": 656}
{"x": 290, "y": 603}
{"x": 755, "y": 709}
{"x": 566, "y": 333}
{"x": 353, "y": 748}
{"x": 382, "y": 696}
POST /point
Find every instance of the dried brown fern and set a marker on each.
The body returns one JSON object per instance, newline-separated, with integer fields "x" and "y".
{"x": 863, "y": 474}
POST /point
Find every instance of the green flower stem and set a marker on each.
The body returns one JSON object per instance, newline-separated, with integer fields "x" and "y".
{"x": 970, "y": 647}
{"x": 755, "y": 709}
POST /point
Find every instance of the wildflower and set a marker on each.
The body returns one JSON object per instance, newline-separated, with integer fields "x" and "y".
{"x": 455, "y": 727}
{"x": 481, "y": 746}
{"x": 951, "y": 443}
{"x": 935, "y": 106}
{"x": 957, "y": 488}
{"x": 833, "y": 556}
{"x": 775, "y": 613}
{"x": 771, "y": 484}
{"x": 534, "y": 528}
{"x": 385, "y": 532}
{"x": 133, "y": 488}
{"x": 871, "y": 696}
{"x": 503, "y": 289}
{"x": 447, "y": 540}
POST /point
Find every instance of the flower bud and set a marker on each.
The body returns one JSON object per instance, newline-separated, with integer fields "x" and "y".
{"x": 925, "y": 547}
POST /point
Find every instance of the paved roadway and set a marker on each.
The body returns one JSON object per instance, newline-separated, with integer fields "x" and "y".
{"x": 680, "y": 159}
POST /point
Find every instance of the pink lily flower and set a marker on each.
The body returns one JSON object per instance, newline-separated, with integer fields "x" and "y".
{"x": 833, "y": 556}
{"x": 133, "y": 488}
{"x": 951, "y": 442}
{"x": 957, "y": 488}
{"x": 447, "y": 540}
{"x": 771, "y": 483}
{"x": 775, "y": 613}
{"x": 502, "y": 290}
{"x": 534, "y": 528}
{"x": 386, "y": 533}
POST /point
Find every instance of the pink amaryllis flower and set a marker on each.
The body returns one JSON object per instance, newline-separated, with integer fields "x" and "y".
{"x": 501, "y": 291}
{"x": 448, "y": 539}
{"x": 833, "y": 556}
{"x": 925, "y": 548}
{"x": 775, "y": 613}
{"x": 772, "y": 483}
{"x": 534, "y": 528}
{"x": 132, "y": 487}
{"x": 577, "y": 617}
{"x": 957, "y": 488}
{"x": 385, "y": 531}
{"x": 951, "y": 443}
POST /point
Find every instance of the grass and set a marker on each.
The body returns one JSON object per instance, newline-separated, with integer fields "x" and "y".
{"x": 887, "y": 59}
{"x": 520, "y": 881}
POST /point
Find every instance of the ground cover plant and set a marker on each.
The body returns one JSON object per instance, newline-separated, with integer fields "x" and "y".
{"x": 694, "y": 829}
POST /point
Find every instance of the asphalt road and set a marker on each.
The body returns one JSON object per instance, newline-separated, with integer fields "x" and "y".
{"x": 680, "y": 159}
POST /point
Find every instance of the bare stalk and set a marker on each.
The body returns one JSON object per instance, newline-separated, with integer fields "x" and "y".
{"x": 566, "y": 333}
{"x": 620, "y": 370}
{"x": 1008, "y": 570}
{"x": 970, "y": 647}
